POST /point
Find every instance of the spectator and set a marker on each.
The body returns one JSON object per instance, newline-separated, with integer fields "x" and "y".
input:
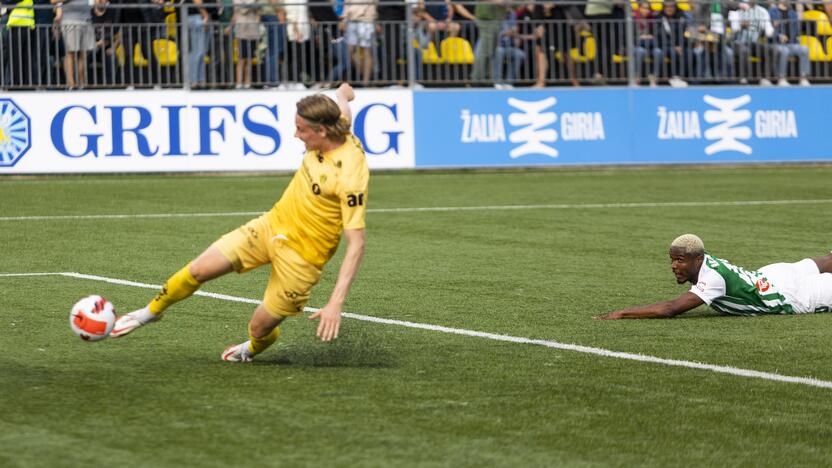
{"x": 530, "y": 27}
{"x": 107, "y": 39}
{"x": 299, "y": 45}
{"x": 75, "y": 19}
{"x": 784, "y": 21}
{"x": 140, "y": 26}
{"x": 464, "y": 15}
{"x": 330, "y": 44}
{"x": 246, "y": 24}
{"x": 439, "y": 18}
{"x": 21, "y": 39}
{"x": 393, "y": 41}
{"x": 45, "y": 45}
{"x": 600, "y": 15}
{"x": 747, "y": 24}
{"x": 489, "y": 15}
{"x": 553, "y": 27}
{"x": 198, "y": 39}
{"x": 360, "y": 33}
{"x": 673, "y": 43}
{"x": 645, "y": 27}
{"x": 221, "y": 68}
{"x": 712, "y": 55}
{"x": 508, "y": 48}
{"x": 274, "y": 18}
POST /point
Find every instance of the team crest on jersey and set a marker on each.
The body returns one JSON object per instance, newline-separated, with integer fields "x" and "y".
{"x": 15, "y": 133}
{"x": 762, "y": 285}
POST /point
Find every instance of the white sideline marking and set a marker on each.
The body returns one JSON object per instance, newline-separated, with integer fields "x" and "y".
{"x": 491, "y": 336}
{"x": 434, "y": 209}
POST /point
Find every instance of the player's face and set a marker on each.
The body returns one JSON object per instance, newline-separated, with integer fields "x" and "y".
{"x": 305, "y": 132}
{"x": 685, "y": 267}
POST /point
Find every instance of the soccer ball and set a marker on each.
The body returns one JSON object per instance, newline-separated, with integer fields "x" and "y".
{"x": 92, "y": 318}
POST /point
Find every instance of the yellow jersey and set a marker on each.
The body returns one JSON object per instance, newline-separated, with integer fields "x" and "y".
{"x": 327, "y": 195}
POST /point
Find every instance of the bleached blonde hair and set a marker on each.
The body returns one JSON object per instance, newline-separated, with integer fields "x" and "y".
{"x": 690, "y": 244}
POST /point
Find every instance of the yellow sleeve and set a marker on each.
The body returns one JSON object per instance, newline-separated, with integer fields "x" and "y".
{"x": 353, "y": 194}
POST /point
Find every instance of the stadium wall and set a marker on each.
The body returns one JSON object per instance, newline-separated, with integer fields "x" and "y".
{"x": 179, "y": 131}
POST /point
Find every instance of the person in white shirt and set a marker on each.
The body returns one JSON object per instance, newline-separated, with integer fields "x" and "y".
{"x": 751, "y": 28}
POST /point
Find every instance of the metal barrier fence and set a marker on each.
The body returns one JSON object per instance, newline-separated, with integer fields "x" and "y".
{"x": 633, "y": 44}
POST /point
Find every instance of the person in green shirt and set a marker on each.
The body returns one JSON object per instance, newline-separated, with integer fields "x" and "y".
{"x": 489, "y": 15}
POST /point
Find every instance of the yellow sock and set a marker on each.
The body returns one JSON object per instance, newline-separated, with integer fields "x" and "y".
{"x": 179, "y": 286}
{"x": 258, "y": 345}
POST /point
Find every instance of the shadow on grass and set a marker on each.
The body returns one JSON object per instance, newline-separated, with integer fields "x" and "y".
{"x": 352, "y": 351}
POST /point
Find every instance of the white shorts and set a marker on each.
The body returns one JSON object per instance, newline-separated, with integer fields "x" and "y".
{"x": 360, "y": 34}
{"x": 804, "y": 286}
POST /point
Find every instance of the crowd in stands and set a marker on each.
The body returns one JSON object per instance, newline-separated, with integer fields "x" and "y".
{"x": 72, "y": 44}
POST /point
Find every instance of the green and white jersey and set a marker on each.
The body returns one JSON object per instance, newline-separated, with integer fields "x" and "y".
{"x": 734, "y": 290}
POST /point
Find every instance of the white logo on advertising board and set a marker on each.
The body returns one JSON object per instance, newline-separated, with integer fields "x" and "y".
{"x": 727, "y": 132}
{"x": 729, "y": 124}
{"x": 532, "y": 127}
{"x": 533, "y": 135}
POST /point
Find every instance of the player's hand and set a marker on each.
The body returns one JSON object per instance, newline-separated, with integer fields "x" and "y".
{"x": 346, "y": 92}
{"x": 330, "y": 322}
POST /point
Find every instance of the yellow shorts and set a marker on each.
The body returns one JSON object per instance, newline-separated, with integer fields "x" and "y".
{"x": 255, "y": 244}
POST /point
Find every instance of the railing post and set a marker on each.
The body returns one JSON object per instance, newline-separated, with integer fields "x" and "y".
{"x": 185, "y": 32}
{"x": 411, "y": 53}
{"x": 632, "y": 79}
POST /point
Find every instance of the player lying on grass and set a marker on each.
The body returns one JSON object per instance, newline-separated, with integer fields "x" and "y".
{"x": 781, "y": 288}
{"x": 327, "y": 195}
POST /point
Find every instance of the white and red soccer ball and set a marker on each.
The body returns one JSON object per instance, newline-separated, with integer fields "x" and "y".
{"x": 92, "y": 318}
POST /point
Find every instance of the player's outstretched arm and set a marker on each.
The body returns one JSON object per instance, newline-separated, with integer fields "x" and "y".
{"x": 344, "y": 94}
{"x": 664, "y": 309}
{"x": 330, "y": 314}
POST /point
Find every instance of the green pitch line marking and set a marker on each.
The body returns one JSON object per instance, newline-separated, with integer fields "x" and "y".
{"x": 439, "y": 209}
{"x": 490, "y": 336}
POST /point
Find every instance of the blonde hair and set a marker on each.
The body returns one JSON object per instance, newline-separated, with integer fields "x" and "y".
{"x": 690, "y": 244}
{"x": 321, "y": 111}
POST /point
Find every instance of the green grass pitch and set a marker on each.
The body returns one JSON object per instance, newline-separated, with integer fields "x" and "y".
{"x": 580, "y": 242}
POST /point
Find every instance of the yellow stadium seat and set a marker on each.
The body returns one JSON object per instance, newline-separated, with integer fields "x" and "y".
{"x": 235, "y": 49}
{"x": 120, "y": 55}
{"x": 429, "y": 55}
{"x": 816, "y": 52}
{"x": 165, "y": 52}
{"x": 456, "y": 51}
{"x": 656, "y": 5}
{"x": 170, "y": 22}
{"x": 587, "y": 54}
{"x": 684, "y": 6}
{"x": 138, "y": 58}
{"x": 822, "y": 21}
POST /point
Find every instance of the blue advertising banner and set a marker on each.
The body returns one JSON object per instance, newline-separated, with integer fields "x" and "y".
{"x": 620, "y": 126}
{"x": 731, "y": 124}
{"x": 522, "y": 128}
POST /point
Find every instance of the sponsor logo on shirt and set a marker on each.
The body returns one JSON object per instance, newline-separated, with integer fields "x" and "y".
{"x": 701, "y": 286}
{"x": 762, "y": 285}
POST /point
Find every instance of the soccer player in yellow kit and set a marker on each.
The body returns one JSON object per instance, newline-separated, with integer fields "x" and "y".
{"x": 327, "y": 195}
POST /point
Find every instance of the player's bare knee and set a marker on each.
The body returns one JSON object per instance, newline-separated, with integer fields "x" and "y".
{"x": 199, "y": 270}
